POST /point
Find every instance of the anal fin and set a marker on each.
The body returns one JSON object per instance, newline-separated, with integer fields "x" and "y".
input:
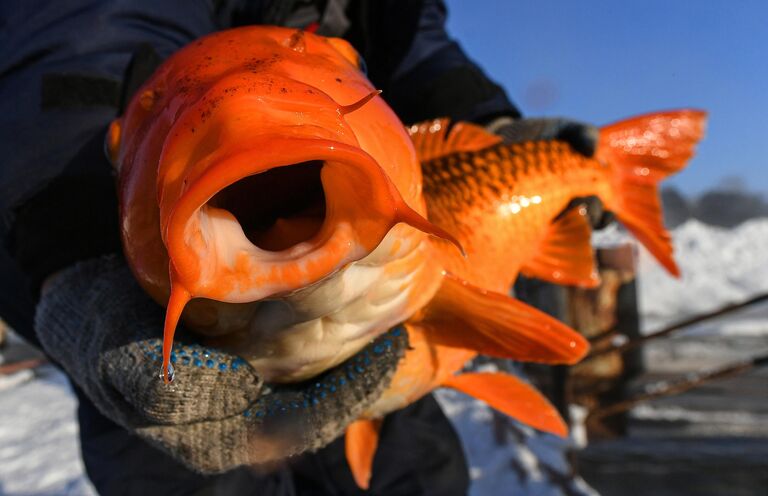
{"x": 511, "y": 396}
{"x": 360, "y": 444}
{"x": 565, "y": 254}
{"x": 464, "y": 316}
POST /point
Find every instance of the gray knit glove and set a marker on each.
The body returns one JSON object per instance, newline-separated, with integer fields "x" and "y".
{"x": 95, "y": 320}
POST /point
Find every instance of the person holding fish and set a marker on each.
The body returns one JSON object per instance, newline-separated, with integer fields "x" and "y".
{"x": 332, "y": 266}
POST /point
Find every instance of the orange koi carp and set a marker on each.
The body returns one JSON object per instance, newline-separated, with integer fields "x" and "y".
{"x": 274, "y": 202}
{"x": 507, "y": 206}
{"x": 258, "y": 164}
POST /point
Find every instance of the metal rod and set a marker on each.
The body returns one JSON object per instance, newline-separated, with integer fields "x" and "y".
{"x": 634, "y": 343}
{"x": 12, "y": 368}
{"x": 689, "y": 381}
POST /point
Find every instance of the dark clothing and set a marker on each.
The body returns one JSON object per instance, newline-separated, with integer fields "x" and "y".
{"x": 419, "y": 454}
{"x": 62, "y": 67}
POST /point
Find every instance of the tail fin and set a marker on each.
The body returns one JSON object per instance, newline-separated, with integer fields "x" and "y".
{"x": 640, "y": 152}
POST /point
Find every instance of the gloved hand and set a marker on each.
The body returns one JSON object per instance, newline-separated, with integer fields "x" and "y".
{"x": 217, "y": 414}
{"x": 580, "y": 136}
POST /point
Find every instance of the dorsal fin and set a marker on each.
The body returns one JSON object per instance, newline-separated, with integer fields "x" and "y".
{"x": 565, "y": 253}
{"x": 511, "y": 396}
{"x": 464, "y": 316}
{"x": 360, "y": 443}
{"x": 432, "y": 138}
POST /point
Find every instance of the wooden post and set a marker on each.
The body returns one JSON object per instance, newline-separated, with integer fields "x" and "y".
{"x": 3, "y": 332}
{"x": 553, "y": 300}
{"x": 593, "y": 312}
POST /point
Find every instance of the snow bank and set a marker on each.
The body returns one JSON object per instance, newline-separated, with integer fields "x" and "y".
{"x": 719, "y": 266}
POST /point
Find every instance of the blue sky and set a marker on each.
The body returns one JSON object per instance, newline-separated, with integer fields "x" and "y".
{"x": 601, "y": 61}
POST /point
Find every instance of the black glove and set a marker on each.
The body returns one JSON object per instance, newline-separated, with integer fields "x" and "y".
{"x": 582, "y": 137}
{"x": 95, "y": 320}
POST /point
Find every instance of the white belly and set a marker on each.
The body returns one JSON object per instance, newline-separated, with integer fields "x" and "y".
{"x": 320, "y": 326}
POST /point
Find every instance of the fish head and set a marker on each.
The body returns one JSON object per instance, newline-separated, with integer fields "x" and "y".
{"x": 266, "y": 180}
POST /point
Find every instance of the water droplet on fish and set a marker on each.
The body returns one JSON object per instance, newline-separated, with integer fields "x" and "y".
{"x": 170, "y": 375}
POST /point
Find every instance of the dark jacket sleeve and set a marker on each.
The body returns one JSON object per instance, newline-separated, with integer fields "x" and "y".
{"x": 61, "y": 64}
{"x": 61, "y": 69}
{"x": 423, "y": 72}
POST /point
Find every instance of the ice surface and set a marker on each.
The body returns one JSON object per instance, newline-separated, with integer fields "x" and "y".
{"x": 39, "y": 451}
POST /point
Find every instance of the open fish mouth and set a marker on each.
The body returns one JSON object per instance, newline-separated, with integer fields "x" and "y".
{"x": 277, "y": 217}
{"x": 272, "y": 221}
{"x": 261, "y": 226}
{"x": 279, "y": 208}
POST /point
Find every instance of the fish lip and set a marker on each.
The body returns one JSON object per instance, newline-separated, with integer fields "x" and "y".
{"x": 289, "y": 419}
{"x": 278, "y": 151}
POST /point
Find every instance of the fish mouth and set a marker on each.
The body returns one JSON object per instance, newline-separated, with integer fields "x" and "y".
{"x": 278, "y": 216}
{"x": 256, "y": 238}
{"x": 329, "y": 204}
{"x": 320, "y": 204}
{"x": 279, "y": 208}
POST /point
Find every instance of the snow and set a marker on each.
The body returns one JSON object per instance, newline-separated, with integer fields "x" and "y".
{"x": 523, "y": 465}
{"x": 525, "y": 462}
{"x": 719, "y": 267}
{"x": 39, "y": 450}
{"x": 676, "y": 413}
{"x": 39, "y": 453}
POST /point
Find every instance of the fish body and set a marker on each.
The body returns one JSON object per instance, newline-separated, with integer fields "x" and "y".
{"x": 506, "y": 204}
{"x": 268, "y": 193}
{"x": 511, "y": 196}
